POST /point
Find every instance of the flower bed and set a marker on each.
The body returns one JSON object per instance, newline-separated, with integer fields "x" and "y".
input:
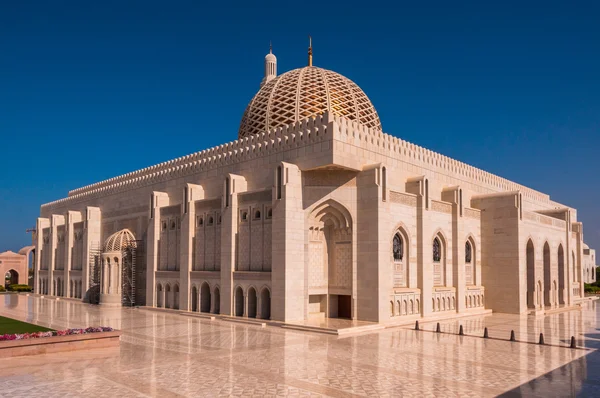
{"x": 68, "y": 332}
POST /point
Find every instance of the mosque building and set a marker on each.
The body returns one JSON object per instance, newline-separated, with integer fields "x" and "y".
{"x": 313, "y": 213}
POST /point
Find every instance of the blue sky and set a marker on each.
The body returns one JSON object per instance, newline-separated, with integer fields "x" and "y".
{"x": 90, "y": 90}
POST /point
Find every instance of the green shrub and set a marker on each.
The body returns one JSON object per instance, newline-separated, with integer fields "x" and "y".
{"x": 2, "y": 288}
{"x": 19, "y": 288}
{"x": 591, "y": 288}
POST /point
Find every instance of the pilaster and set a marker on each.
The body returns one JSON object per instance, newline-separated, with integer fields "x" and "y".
{"x": 420, "y": 187}
{"x": 191, "y": 193}
{"x": 232, "y": 186}
{"x": 374, "y": 280}
{"x": 91, "y": 243}
{"x": 56, "y": 220}
{"x": 41, "y": 223}
{"x": 289, "y": 295}
{"x": 453, "y": 195}
{"x": 157, "y": 200}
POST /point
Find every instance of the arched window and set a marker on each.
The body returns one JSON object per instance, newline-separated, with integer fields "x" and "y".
{"x": 398, "y": 248}
{"x": 437, "y": 250}
{"x": 439, "y": 262}
{"x": 469, "y": 266}
{"x": 468, "y": 254}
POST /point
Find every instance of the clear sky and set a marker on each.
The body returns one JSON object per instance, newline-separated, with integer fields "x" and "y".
{"x": 91, "y": 90}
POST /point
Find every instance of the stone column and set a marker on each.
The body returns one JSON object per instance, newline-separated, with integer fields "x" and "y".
{"x": 452, "y": 195}
{"x": 41, "y": 223}
{"x": 157, "y": 200}
{"x": 374, "y": 280}
{"x": 191, "y": 193}
{"x": 288, "y": 301}
{"x": 71, "y": 218}
{"x": 91, "y": 243}
{"x": 233, "y": 185}
{"x": 424, "y": 232}
{"x": 56, "y": 220}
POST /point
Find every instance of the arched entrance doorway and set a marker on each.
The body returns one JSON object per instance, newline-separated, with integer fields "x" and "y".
{"x": 561, "y": 275}
{"x": 159, "y": 296}
{"x": 205, "y": 298}
{"x": 176, "y": 297}
{"x": 531, "y": 297}
{"x": 239, "y": 301}
{"x": 265, "y": 304}
{"x": 330, "y": 261}
{"x": 168, "y": 296}
{"x": 11, "y": 278}
{"x": 194, "y": 299}
{"x": 217, "y": 297}
{"x": 548, "y": 295}
{"x": 252, "y": 302}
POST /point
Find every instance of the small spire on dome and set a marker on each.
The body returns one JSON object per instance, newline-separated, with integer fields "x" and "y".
{"x": 270, "y": 66}
{"x": 309, "y": 51}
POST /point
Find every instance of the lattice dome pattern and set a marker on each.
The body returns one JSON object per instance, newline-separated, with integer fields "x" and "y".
{"x": 306, "y": 92}
{"x": 119, "y": 241}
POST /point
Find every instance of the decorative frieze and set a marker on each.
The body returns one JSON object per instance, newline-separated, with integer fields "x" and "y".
{"x": 442, "y": 207}
{"x": 545, "y": 220}
{"x": 403, "y": 198}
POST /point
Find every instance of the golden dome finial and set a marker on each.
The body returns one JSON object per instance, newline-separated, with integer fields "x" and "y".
{"x": 309, "y": 51}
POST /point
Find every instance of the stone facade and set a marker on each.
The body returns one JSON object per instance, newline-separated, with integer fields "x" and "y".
{"x": 300, "y": 222}
{"x": 321, "y": 216}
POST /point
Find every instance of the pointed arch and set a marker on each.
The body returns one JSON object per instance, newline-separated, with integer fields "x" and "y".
{"x": 205, "y": 297}
{"x": 470, "y": 260}
{"x": 216, "y": 300}
{"x": 548, "y": 299}
{"x": 252, "y": 299}
{"x": 265, "y": 303}
{"x": 530, "y": 259}
{"x": 561, "y": 274}
{"x": 159, "y": 295}
{"x": 438, "y": 257}
{"x": 400, "y": 255}
{"x": 239, "y": 301}
{"x": 333, "y": 211}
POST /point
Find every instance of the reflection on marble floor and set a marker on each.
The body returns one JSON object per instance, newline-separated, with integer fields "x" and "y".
{"x": 166, "y": 354}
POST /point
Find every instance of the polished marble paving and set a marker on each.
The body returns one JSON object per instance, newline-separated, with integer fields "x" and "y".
{"x": 168, "y": 355}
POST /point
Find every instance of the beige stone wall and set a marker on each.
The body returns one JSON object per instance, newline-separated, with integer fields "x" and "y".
{"x": 281, "y": 229}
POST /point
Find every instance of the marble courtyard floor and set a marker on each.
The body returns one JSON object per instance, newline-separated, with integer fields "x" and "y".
{"x": 165, "y": 354}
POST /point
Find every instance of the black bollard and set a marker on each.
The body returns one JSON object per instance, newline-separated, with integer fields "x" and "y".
{"x": 438, "y": 329}
{"x": 573, "y": 345}
{"x": 417, "y": 325}
{"x": 512, "y": 335}
{"x": 485, "y": 333}
{"x": 460, "y": 331}
{"x": 542, "y": 338}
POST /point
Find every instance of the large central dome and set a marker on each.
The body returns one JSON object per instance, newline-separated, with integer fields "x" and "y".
{"x": 306, "y": 92}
